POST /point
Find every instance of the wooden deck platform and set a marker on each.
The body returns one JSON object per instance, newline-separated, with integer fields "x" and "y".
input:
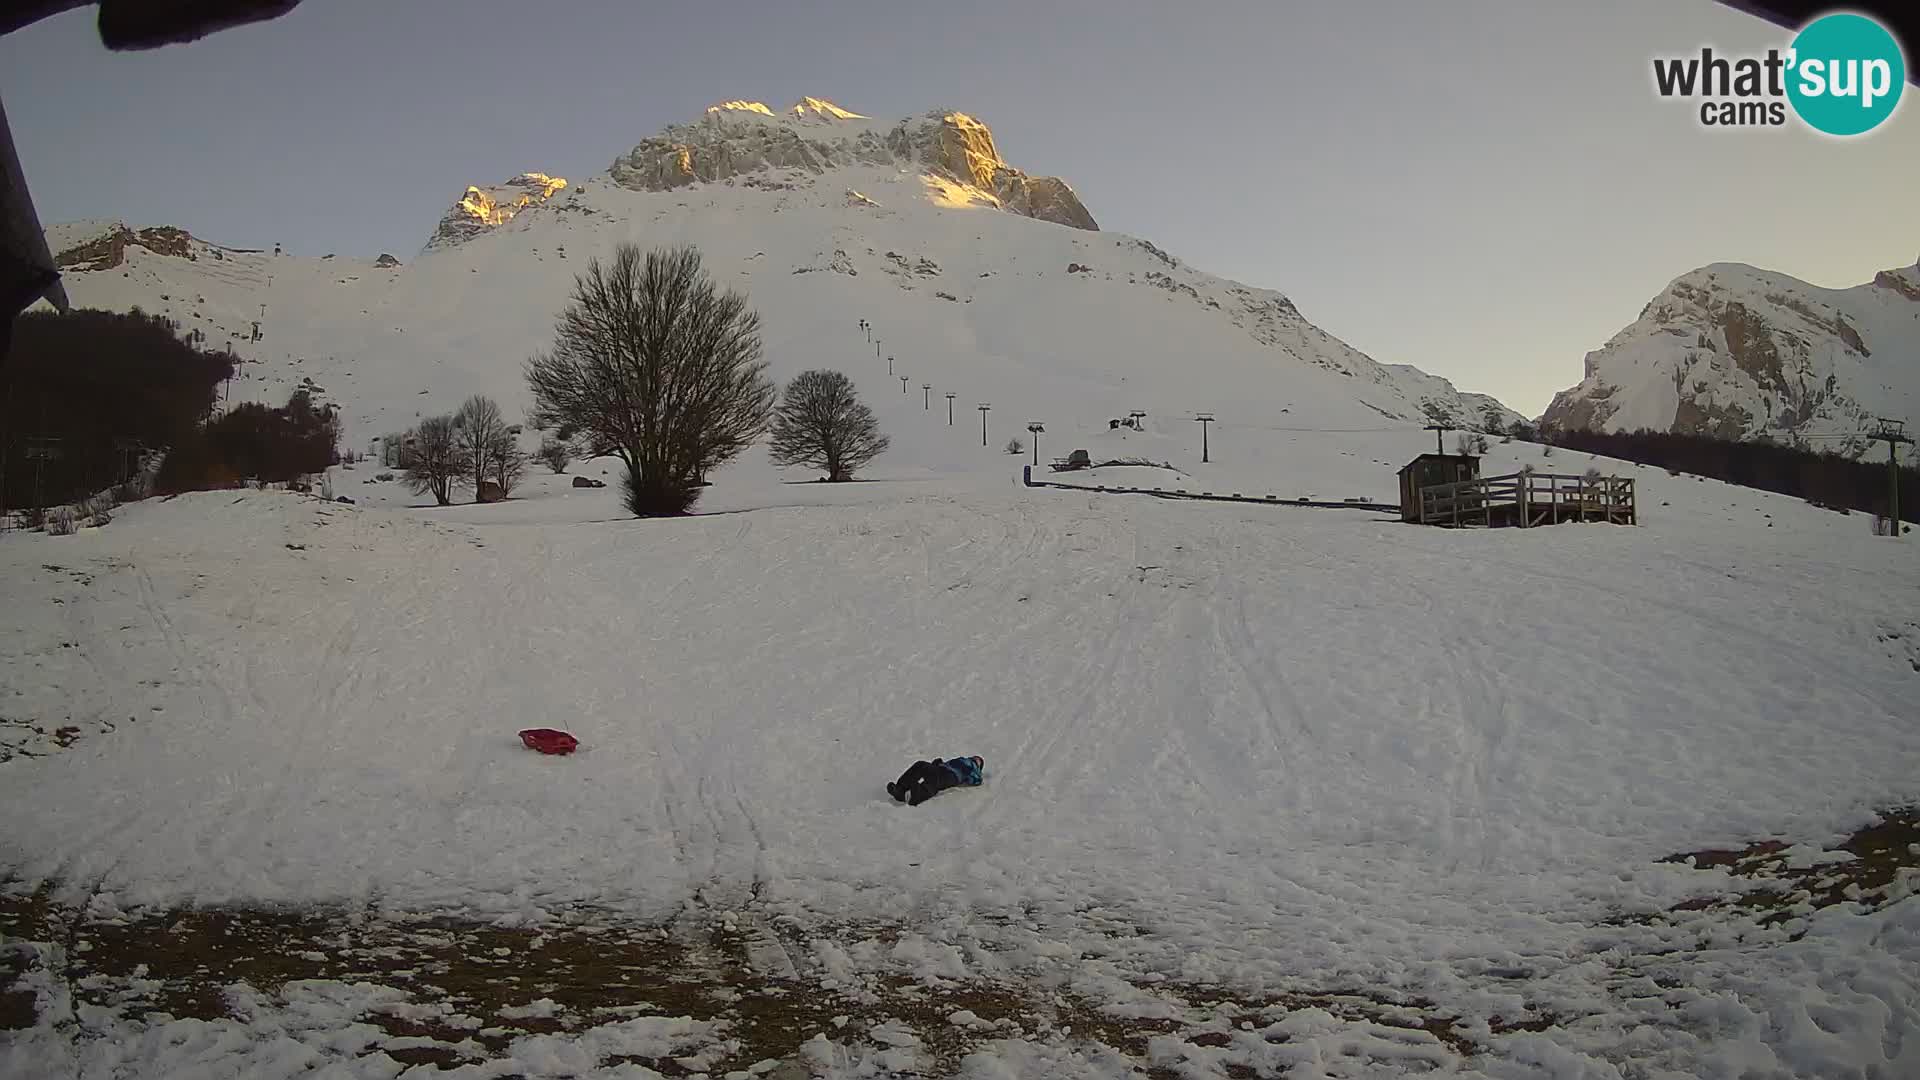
{"x": 1525, "y": 500}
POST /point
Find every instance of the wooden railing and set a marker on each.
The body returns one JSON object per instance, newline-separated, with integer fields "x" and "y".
{"x": 1527, "y": 499}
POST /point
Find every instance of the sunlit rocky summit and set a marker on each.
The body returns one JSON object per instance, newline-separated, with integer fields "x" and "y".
{"x": 479, "y": 209}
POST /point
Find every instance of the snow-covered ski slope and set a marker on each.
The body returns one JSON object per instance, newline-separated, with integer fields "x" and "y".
{"x": 1285, "y": 747}
{"x": 1044, "y": 321}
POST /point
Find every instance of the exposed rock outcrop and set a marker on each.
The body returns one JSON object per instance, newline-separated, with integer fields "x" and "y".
{"x": 480, "y": 209}
{"x": 109, "y": 249}
{"x": 740, "y": 138}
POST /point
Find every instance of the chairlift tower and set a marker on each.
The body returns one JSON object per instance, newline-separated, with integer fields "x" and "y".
{"x": 1203, "y": 419}
{"x": 1893, "y": 433}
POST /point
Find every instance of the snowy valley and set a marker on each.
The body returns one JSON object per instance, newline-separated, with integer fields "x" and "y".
{"x": 1270, "y": 791}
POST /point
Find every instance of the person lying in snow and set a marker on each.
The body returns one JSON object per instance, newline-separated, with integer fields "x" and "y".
{"x": 925, "y": 779}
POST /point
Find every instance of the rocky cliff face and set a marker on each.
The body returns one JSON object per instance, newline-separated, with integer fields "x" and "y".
{"x": 741, "y": 138}
{"x": 108, "y": 248}
{"x": 1736, "y": 352}
{"x": 480, "y": 209}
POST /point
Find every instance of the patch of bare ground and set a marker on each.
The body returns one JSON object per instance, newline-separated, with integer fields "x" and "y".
{"x": 1786, "y": 886}
{"x": 467, "y": 991}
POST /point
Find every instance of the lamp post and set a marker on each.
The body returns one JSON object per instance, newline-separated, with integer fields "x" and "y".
{"x": 950, "y": 398}
{"x": 927, "y": 395}
{"x": 983, "y": 407}
{"x": 1036, "y": 428}
{"x": 1203, "y": 420}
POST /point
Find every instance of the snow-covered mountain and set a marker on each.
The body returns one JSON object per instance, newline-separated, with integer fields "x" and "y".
{"x": 977, "y": 278}
{"x": 1736, "y": 352}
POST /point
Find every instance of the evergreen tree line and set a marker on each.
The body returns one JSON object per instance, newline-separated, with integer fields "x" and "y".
{"x": 1826, "y": 479}
{"x": 87, "y": 394}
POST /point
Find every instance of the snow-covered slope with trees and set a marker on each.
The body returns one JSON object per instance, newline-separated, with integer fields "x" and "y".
{"x": 1736, "y": 352}
{"x": 823, "y": 219}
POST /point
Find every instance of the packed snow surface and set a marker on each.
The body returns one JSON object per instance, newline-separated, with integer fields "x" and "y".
{"x": 1257, "y": 747}
{"x": 1279, "y": 746}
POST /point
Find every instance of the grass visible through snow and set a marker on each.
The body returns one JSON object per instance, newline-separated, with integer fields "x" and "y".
{"x": 466, "y": 992}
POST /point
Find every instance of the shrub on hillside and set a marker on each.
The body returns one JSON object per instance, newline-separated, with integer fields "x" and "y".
{"x": 554, "y": 454}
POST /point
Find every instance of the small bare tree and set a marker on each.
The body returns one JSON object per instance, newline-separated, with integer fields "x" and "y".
{"x": 479, "y": 430}
{"x": 822, "y": 422}
{"x": 653, "y": 363}
{"x": 554, "y": 453}
{"x": 506, "y": 462}
{"x": 431, "y": 457}
{"x": 1015, "y": 446}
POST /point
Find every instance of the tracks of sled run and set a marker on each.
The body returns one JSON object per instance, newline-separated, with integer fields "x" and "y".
{"x": 1262, "y": 791}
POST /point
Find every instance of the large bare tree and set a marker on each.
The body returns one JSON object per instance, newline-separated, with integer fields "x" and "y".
{"x": 822, "y": 422}
{"x": 654, "y": 364}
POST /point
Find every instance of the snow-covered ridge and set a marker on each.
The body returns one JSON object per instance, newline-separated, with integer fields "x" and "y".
{"x": 1737, "y": 352}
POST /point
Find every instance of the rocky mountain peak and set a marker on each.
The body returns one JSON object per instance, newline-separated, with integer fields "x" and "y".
{"x": 480, "y": 209}
{"x": 739, "y": 138}
{"x": 1735, "y": 352}
{"x": 1904, "y": 281}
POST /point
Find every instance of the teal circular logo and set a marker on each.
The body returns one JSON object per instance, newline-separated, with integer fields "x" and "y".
{"x": 1845, "y": 74}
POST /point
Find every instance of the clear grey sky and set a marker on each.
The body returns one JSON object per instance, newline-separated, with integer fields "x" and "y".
{"x": 1484, "y": 189}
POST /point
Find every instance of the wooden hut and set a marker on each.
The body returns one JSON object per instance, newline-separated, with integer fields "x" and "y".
{"x": 1428, "y": 470}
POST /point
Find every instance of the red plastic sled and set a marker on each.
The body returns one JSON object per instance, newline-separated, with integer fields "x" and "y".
{"x": 549, "y": 741}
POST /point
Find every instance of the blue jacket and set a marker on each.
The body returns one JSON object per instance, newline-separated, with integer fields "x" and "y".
{"x": 964, "y": 768}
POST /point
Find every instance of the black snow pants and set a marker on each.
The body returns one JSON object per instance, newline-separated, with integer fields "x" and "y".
{"x": 922, "y": 781}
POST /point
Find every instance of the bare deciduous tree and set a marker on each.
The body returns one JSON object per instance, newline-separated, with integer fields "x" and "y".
{"x": 1015, "y": 446}
{"x": 506, "y": 462}
{"x": 479, "y": 430}
{"x": 822, "y": 422}
{"x": 654, "y": 364}
{"x": 554, "y": 453}
{"x": 431, "y": 456}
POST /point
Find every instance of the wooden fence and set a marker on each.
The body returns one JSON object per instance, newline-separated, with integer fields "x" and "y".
{"x": 1527, "y": 499}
